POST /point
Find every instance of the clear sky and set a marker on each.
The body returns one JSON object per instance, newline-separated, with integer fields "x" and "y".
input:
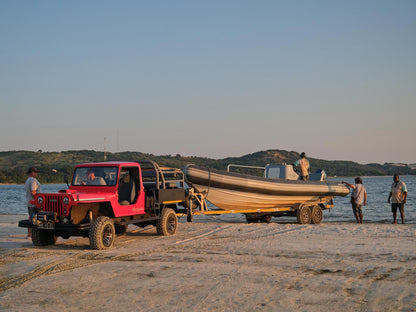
{"x": 335, "y": 79}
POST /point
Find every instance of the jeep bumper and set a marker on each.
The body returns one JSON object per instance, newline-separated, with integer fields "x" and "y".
{"x": 59, "y": 228}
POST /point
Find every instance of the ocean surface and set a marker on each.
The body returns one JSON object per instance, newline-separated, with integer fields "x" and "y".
{"x": 12, "y": 201}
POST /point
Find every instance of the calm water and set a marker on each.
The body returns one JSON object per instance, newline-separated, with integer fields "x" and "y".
{"x": 377, "y": 209}
{"x": 12, "y": 201}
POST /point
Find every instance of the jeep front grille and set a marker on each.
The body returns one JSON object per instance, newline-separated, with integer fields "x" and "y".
{"x": 53, "y": 203}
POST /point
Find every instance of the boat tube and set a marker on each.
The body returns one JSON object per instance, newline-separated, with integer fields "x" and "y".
{"x": 234, "y": 191}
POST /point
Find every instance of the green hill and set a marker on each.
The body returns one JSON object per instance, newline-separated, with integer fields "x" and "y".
{"x": 54, "y": 165}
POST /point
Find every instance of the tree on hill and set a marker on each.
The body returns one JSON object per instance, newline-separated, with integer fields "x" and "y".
{"x": 54, "y": 165}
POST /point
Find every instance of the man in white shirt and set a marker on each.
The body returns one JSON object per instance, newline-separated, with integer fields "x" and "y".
{"x": 303, "y": 164}
{"x": 398, "y": 194}
{"x": 32, "y": 187}
{"x": 358, "y": 198}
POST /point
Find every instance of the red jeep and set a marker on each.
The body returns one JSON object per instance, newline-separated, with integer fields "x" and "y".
{"x": 104, "y": 198}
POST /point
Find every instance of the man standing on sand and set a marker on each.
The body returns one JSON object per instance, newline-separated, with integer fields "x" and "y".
{"x": 303, "y": 164}
{"x": 398, "y": 194}
{"x": 358, "y": 198}
{"x": 32, "y": 187}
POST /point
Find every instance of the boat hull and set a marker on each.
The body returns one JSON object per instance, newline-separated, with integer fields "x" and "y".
{"x": 232, "y": 191}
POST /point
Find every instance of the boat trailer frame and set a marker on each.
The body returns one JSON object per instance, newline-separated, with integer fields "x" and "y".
{"x": 198, "y": 199}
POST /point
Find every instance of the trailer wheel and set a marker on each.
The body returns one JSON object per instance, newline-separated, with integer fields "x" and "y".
{"x": 304, "y": 215}
{"x": 251, "y": 219}
{"x": 43, "y": 237}
{"x": 266, "y": 218}
{"x": 316, "y": 214}
{"x": 102, "y": 233}
{"x": 168, "y": 222}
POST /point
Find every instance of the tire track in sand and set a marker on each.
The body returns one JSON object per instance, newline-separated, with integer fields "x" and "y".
{"x": 78, "y": 259}
{"x": 60, "y": 262}
{"x": 83, "y": 258}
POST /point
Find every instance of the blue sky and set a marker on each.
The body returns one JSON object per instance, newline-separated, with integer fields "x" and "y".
{"x": 336, "y": 79}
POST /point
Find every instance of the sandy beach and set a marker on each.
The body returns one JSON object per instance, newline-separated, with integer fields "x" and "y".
{"x": 215, "y": 265}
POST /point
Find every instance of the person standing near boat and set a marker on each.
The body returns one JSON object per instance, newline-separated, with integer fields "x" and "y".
{"x": 398, "y": 194}
{"x": 303, "y": 164}
{"x": 32, "y": 187}
{"x": 358, "y": 198}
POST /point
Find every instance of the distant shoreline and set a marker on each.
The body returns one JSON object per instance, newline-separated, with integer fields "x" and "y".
{"x": 54, "y": 165}
{"x": 329, "y": 177}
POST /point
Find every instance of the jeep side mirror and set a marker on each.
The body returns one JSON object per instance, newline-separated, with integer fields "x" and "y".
{"x": 66, "y": 180}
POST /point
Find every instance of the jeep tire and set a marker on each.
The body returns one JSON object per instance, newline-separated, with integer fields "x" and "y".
{"x": 168, "y": 222}
{"x": 120, "y": 229}
{"x": 43, "y": 237}
{"x": 102, "y": 233}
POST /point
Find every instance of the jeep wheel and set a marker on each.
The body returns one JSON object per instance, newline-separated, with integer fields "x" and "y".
{"x": 102, "y": 233}
{"x": 168, "y": 222}
{"x": 43, "y": 237}
{"x": 120, "y": 229}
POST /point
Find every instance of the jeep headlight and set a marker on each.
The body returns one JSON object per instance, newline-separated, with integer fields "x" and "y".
{"x": 40, "y": 200}
{"x": 66, "y": 200}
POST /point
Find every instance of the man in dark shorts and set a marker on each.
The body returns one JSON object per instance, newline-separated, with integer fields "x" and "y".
{"x": 358, "y": 198}
{"x": 398, "y": 194}
{"x": 32, "y": 187}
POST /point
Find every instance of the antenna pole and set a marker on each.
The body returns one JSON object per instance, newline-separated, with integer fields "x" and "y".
{"x": 105, "y": 151}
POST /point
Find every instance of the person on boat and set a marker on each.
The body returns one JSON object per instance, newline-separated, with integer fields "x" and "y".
{"x": 398, "y": 194}
{"x": 303, "y": 164}
{"x": 32, "y": 187}
{"x": 358, "y": 198}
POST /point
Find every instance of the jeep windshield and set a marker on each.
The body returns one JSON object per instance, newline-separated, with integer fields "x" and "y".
{"x": 95, "y": 176}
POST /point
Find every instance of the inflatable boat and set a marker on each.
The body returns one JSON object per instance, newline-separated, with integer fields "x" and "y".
{"x": 278, "y": 188}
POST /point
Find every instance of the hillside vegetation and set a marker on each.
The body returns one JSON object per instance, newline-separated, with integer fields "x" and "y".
{"x": 53, "y": 166}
